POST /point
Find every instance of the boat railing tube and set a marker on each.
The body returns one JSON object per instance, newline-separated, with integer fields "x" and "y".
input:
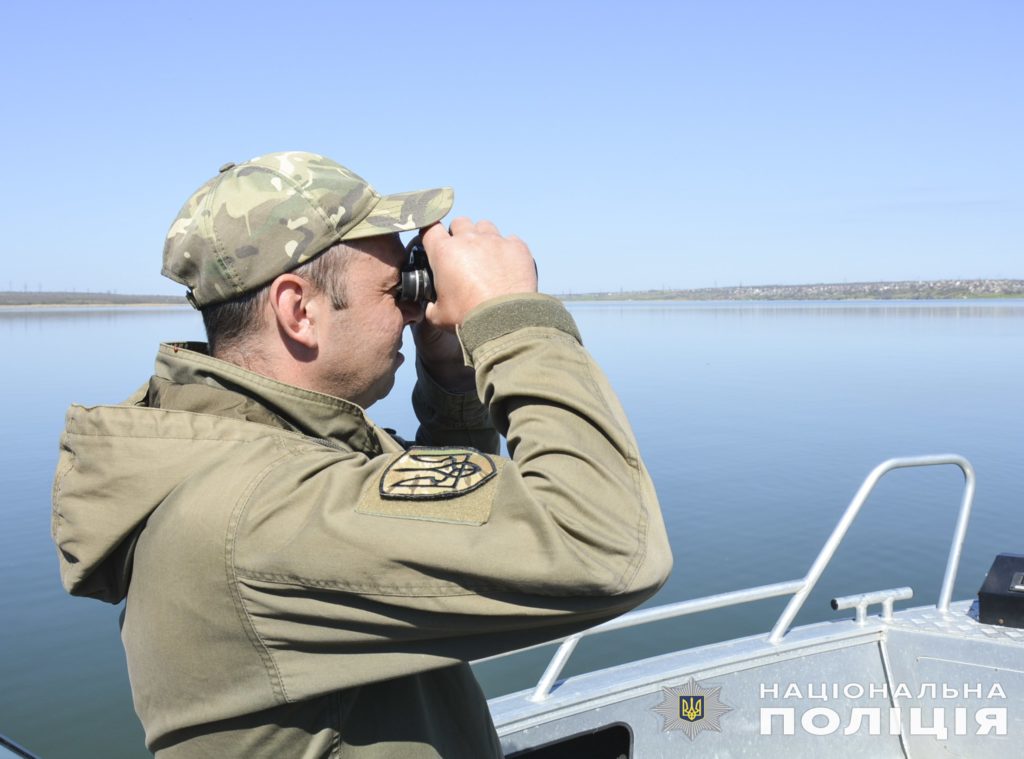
{"x": 829, "y": 549}
{"x": 655, "y": 614}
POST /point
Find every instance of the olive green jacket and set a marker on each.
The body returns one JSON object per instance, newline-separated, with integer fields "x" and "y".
{"x": 299, "y": 583}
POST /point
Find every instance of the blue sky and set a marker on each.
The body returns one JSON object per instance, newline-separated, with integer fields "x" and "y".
{"x": 639, "y": 145}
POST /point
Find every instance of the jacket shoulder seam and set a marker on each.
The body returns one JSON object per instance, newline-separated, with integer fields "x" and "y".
{"x": 424, "y": 591}
{"x": 264, "y": 430}
{"x": 246, "y": 619}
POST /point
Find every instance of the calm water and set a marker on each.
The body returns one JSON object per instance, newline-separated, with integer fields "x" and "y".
{"x": 757, "y": 421}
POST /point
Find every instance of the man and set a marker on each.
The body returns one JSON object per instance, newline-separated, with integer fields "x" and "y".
{"x": 298, "y": 581}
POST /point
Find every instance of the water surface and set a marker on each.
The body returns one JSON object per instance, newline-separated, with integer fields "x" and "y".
{"x": 757, "y": 421}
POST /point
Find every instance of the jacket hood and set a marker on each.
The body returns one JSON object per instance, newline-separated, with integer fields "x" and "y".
{"x": 119, "y": 463}
{"x": 116, "y": 465}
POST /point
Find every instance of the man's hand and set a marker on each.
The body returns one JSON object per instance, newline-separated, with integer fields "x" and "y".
{"x": 472, "y": 264}
{"x": 441, "y": 355}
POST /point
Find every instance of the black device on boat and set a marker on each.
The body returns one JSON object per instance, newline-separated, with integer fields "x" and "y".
{"x": 1001, "y": 597}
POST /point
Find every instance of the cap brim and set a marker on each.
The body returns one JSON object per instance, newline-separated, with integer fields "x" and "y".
{"x": 404, "y": 211}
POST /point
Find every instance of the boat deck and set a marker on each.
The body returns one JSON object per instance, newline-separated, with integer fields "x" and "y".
{"x": 918, "y": 683}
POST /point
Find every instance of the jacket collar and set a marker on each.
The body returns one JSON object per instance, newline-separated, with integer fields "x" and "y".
{"x": 314, "y": 414}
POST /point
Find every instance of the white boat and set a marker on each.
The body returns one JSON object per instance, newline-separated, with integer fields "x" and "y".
{"x": 925, "y": 682}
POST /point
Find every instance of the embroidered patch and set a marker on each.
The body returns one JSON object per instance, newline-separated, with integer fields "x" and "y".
{"x": 449, "y": 485}
{"x": 431, "y": 474}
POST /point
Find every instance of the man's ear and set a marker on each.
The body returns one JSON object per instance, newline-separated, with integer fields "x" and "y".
{"x": 291, "y": 299}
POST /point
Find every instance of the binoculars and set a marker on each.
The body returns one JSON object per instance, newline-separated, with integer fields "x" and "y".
{"x": 417, "y": 283}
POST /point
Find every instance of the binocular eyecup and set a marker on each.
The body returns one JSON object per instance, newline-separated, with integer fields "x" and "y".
{"x": 417, "y": 283}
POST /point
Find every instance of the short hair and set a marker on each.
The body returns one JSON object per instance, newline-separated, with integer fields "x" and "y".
{"x": 231, "y": 323}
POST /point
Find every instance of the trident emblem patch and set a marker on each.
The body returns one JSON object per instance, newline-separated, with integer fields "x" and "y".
{"x": 436, "y": 473}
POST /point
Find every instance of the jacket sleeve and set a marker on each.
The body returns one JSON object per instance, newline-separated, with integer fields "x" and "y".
{"x": 417, "y": 559}
{"x": 448, "y": 418}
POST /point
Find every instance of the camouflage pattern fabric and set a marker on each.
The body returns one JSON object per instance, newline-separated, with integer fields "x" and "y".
{"x": 256, "y": 220}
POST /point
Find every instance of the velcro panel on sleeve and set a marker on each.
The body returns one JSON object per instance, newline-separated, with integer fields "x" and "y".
{"x": 500, "y": 316}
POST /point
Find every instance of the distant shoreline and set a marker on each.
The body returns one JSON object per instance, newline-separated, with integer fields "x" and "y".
{"x": 15, "y": 306}
{"x": 946, "y": 289}
{"x": 15, "y": 299}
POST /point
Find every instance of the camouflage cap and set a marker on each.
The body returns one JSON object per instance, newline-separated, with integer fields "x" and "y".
{"x": 273, "y": 213}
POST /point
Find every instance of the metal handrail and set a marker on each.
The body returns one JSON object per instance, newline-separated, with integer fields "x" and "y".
{"x": 829, "y": 549}
{"x": 654, "y": 614}
{"x": 799, "y": 589}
